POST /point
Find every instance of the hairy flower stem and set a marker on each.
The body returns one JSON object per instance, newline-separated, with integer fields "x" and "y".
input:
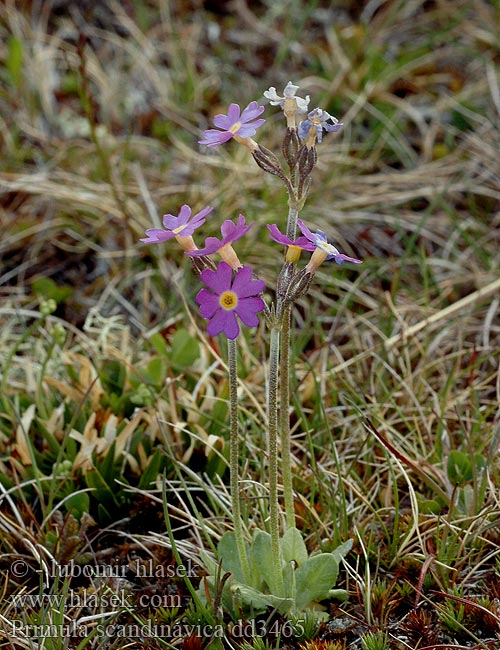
{"x": 291, "y": 231}
{"x": 291, "y": 226}
{"x": 274, "y": 509}
{"x": 234, "y": 458}
{"x": 286, "y": 455}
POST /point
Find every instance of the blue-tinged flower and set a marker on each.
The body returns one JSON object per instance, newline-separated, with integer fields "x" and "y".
{"x": 236, "y": 124}
{"x": 181, "y": 227}
{"x": 324, "y": 250}
{"x": 317, "y": 121}
{"x": 227, "y": 298}
{"x": 230, "y": 232}
{"x": 289, "y": 102}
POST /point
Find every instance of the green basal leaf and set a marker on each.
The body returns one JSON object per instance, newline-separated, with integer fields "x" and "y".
{"x": 78, "y": 504}
{"x": 112, "y": 375}
{"x": 208, "y": 562}
{"x": 338, "y": 594}
{"x": 101, "y": 490}
{"x": 315, "y": 578}
{"x": 429, "y": 506}
{"x": 262, "y": 564}
{"x": 293, "y": 547}
{"x": 341, "y": 551}
{"x": 156, "y": 371}
{"x": 227, "y": 552}
{"x": 107, "y": 467}
{"x": 185, "y": 349}
{"x": 307, "y": 580}
{"x": 466, "y": 499}
{"x": 258, "y": 601}
{"x": 152, "y": 470}
{"x": 459, "y": 468}
{"x": 480, "y": 462}
{"x": 159, "y": 344}
{"x": 53, "y": 444}
{"x": 103, "y": 514}
{"x": 46, "y": 289}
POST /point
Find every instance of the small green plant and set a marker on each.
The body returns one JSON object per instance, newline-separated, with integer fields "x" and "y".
{"x": 307, "y": 579}
{"x": 467, "y": 474}
{"x": 452, "y": 613}
{"x": 274, "y": 568}
{"x": 306, "y": 625}
{"x": 374, "y": 641}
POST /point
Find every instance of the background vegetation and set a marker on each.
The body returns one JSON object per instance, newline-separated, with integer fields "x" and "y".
{"x": 108, "y": 381}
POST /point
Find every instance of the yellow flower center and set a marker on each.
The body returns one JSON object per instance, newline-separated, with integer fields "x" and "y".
{"x": 228, "y": 300}
{"x": 235, "y": 128}
{"x": 179, "y": 229}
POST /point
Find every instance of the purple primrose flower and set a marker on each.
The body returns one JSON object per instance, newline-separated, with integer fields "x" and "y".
{"x": 230, "y": 233}
{"x": 227, "y": 298}
{"x": 301, "y": 242}
{"x": 318, "y": 120}
{"x": 243, "y": 124}
{"x": 181, "y": 226}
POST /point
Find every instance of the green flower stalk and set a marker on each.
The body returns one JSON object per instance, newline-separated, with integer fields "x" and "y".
{"x": 234, "y": 458}
{"x": 274, "y": 506}
{"x": 286, "y": 452}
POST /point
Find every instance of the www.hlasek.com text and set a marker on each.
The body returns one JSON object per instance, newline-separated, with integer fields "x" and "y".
{"x": 94, "y": 600}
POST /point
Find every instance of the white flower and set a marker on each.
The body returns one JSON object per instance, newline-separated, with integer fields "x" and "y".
{"x": 288, "y": 93}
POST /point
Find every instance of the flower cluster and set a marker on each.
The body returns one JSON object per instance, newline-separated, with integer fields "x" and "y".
{"x": 232, "y": 292}
{"x": 242, "y": 125}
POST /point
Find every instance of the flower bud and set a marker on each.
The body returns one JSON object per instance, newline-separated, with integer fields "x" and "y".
{"x": 267, "y": 161}
{"x": 299, "y": 285}
{"x": 201, "y": 263}
{"x": 290, "y": 147}
{"x": 307, "y": 158}
{"x": 59, "y": 333}
{"x": 143, "y": 396}
{"x": 48, "y": 307}
{"x": 285, "y": 277}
